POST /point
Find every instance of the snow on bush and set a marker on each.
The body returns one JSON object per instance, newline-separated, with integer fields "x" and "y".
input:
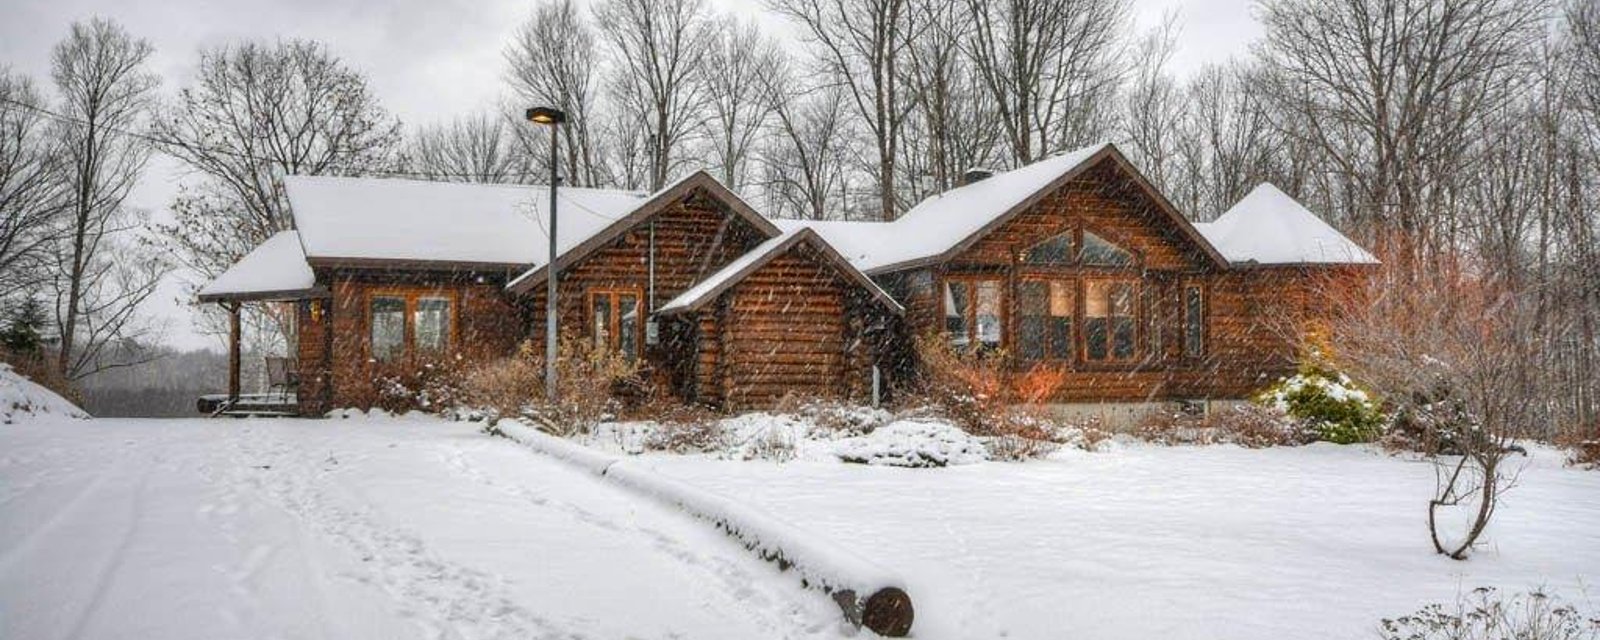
{"x": 21, "y": 398}
{"x": 1487, "y": 614}
{"x": 913, "y": 443}
{"x": 857, "y": 584}
{"x": 1328, "y": 404}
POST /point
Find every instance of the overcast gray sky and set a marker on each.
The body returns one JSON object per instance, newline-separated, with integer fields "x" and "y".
{"x": 428, "y": 60}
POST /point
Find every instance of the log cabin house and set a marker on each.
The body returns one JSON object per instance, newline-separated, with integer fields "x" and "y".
{"x": 1075, "y": 262}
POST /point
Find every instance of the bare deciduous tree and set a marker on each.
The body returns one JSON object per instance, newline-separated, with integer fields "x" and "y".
{"x": 738, "y": 73}
{"x": 1388, "y": 92}
{"x": 99, "y": 72}
{"x": 32, "y": 197}
{"x": 1052, "y": 66}
{"x": 1439, "y": 347}
{"x": 478, "y": 148}
{"x": 254, "y": 114}
{"x": 658, "y": 47}
{"x": 553, "y": 62}
{"x": 803, "y": 167}
{"x": 861, "y": 45}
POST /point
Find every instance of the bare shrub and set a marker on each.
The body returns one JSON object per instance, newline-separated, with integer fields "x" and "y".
{"x": 505, "y": 386}
{"x": 978, "y": 391}
{"x": 1023, "y": 434}
{"x": 1582, "y": 445}
{"x": 1451, "y": 347}
{"x": 1174, "y": 428}
{"x": 1256, "y": 427}
{"x": 586, "y": 378}
{"x": 684, "y": 428}
{"x": 1486, "y": 614}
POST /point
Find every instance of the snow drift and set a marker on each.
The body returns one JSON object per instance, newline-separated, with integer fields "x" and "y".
{"x": 869, "y": 595}
{"x": 22, "y": 398}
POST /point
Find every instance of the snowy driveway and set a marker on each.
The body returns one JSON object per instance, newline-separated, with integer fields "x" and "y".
{"x": 354, "y": 529}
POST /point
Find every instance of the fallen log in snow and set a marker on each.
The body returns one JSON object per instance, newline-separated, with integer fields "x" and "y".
{"x": 869, "y": 595}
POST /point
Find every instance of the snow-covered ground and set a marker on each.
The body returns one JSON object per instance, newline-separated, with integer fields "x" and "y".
{"x": 422, "y": 528}
{"x": 354, "y": 529}
{"x": 1174, "y": 542}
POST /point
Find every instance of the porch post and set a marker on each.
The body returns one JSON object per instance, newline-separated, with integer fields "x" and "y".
{"x": 233, "y": 352}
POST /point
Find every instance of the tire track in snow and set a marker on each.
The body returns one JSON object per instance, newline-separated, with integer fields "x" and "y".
{"x": 774, "y": 613}
{"x": 57, "y": 517}
{"x": 107, "y": 571}
{"x": 446, "y": 600}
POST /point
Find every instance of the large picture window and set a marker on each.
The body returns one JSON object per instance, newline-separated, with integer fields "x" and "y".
{"x": 1108, "y": 320}
{"x": 402, "y": 322}
{"x": 614, "y": 321}
{"x": 973, "y": 312}
{"x": 1044, "y": 323}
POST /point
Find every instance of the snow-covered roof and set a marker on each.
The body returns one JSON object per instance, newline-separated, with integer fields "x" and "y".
{"x": 942, "y": 222}
{"x": 277, "y": 266}
{"x": 1269, "y": 227}
{"x": 365, "y": 219}
{"x": 753, "y": 259}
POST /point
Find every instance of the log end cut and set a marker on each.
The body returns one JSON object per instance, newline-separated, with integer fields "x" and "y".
{"x": 888, "y": 613}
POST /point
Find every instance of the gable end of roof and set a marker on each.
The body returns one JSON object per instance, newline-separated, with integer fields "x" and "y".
{"x": 652, "y": 205}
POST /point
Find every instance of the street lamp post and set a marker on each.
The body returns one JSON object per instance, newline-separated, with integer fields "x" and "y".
{"x": 553, "y": 118}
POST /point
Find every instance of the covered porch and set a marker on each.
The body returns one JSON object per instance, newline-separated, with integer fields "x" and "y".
{"x": 276, "y": 272}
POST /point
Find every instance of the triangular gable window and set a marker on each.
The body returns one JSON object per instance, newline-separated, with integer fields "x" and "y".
{"x": 1057, "y": 250}
{"x": 1099, "y": 252}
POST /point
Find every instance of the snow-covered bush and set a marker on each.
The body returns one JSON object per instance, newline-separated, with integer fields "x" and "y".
{"x": 686, "y": 431}
{"x": 909, "y": 443}
{"x": 433, "y": 385}
{"x": 1486, "y": 614}
{"x": 1328, "y": 404}
{"x": 834, "y": 417}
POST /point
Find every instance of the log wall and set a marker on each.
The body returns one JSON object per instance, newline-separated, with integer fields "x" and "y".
{"x": 1253, "y": 315}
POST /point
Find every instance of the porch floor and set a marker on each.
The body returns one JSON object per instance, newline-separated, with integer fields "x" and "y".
{"x": 250, "y": 404}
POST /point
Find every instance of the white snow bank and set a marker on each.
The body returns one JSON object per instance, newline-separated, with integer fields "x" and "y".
{"x": 913, "y": 443}
{"x": 851, "y": 579}
{"x": 1269, "y": 227}
{"x": 278, "y": 265}
{"x": 21, "y": 398}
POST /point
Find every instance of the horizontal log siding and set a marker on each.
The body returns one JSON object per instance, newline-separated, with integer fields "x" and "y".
{"x": 794, "y": 326}
{"x": 486, "y": 326}
{"x": 694, "y": 237}
{"x": 1252, "y": 314}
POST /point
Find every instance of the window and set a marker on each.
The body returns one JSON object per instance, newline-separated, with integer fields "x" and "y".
{"x": 972, "y": 312}
{"x": 614, "y": 321}
{"x": 1098, "y": 252}
{"x": 388, "y": 327}
{"x": 1194, "y": 327}
{"x": 432, "y": 324}
{"x": 1044, "y": 324}
{"x": 1057, "y": 250}
{"x": 409, "y": 323}
{"x": 1108, "y": 325}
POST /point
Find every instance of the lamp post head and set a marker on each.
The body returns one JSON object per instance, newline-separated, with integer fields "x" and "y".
{"x": 546, "y": 115}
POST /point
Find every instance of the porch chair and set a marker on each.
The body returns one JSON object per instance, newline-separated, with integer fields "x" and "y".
{"x": 282, "y": 375}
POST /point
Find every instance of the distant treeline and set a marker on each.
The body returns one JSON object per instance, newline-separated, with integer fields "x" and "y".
{"x": 164, "y": 387}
